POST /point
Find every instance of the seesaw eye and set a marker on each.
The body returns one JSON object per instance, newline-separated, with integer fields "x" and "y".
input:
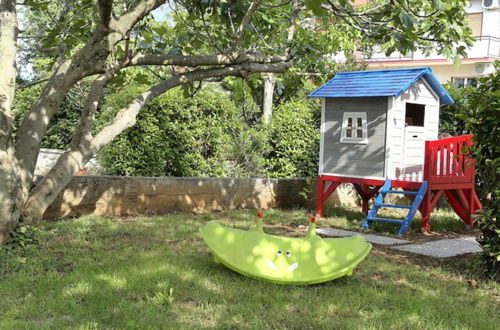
{"x": 288, "y": 254}
{"x": 279, "y": 253}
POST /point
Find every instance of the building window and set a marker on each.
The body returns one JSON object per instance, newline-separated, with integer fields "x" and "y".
{"x": 354, "y": 128}
{"x": 476, "y": 23}
{"x": 415, "y": 114}
{"x": 464, "y": 81}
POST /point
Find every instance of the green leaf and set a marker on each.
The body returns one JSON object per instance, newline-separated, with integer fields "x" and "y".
{"x": 407, "y": 20}
{"x": 142, "y": 78}
{"x": 315, "y": 6}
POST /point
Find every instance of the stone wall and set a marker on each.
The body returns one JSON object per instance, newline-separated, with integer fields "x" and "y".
{"x": 120, "y": 196}
{"x": 110, "y": 196}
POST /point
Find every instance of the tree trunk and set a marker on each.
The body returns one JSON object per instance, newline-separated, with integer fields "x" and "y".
{"x": 9, "y": 181}
{"x": 267, "y": 102}
{"x": 87, "y": 61}
{"x": 10, "y": 193}
{"x": 73, "y": 159}
{"x": 18, "y": 156}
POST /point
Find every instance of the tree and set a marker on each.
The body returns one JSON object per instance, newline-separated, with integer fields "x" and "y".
{"x": 99, "y": 42}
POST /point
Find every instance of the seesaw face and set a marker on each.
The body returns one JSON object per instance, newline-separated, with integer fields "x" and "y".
{"x": 284, "y": 259}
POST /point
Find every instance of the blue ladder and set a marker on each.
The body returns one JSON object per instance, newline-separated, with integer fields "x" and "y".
{"x": 379, "y": 203}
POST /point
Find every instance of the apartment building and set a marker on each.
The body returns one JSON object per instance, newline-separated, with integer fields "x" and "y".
{"x": 484, "y": 20}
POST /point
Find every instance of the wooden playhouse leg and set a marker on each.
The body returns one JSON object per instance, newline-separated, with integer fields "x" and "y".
{"x": 320, "y": 188}
{"x": 471, "y": 209}
{"x": 322, "y": 194}
{"x": 425, "y": 209}
{"x": 366, "y": 192}
{"x": 465, "y": 204}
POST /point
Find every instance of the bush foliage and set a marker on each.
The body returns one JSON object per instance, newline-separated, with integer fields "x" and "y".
{"x": 482, "y": 120}
{"x": 211, "y": 133}
{"x": 208, "y": 135}
{"x": 175, "y": 136}
{"x": 477, "y": 111}
{"x": 294, "y": 139}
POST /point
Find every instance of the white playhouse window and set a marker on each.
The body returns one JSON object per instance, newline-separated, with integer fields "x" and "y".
{"x": 354, "y": 128}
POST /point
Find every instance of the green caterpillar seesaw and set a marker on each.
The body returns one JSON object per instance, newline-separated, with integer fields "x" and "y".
{"x": 284, "y": 260}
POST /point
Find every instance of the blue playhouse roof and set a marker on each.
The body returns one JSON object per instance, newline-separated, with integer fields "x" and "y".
{"x": 380, "y": 83}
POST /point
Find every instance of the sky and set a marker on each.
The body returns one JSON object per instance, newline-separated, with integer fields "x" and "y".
{"x": 26, "y": 71}
{"x": 161, "y": 13}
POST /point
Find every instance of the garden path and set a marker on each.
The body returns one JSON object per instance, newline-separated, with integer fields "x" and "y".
{"x": 440, "y": 248}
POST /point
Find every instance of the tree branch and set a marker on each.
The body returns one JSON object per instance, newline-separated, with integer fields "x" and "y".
{"x": 202, "y": 60}
{"x": 74, "y": 159}
{"x": 244, "y": 22}
{"x": 88, "y": 60}
{"x": 83, "y": 133}
{"x": 129, "y": 19}
{"x": 127, "y": 117}
{"x": 105, "y": 12}
{"x": 291, "y": 28}
{"x": 34, "y": 83}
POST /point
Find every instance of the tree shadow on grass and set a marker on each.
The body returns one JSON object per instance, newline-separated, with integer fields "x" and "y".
{"x": 442, "y": 220}
{"x": 121, "y": 276}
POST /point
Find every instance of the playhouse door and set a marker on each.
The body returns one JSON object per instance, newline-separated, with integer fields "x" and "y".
{"x": 413, "y": 154}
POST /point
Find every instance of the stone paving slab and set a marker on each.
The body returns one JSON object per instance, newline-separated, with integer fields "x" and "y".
{"x": 382, "y": 240}
{"x": 444, "y": 248}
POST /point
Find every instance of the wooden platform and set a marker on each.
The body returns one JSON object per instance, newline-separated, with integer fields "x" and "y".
{"x": 448, "y": 168}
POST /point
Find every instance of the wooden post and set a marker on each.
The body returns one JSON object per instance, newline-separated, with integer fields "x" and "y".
{"x": 366, "y": 194}
{"x": 471, "y": 207}
{"x": 320, "y": 189}
{"x": 365, "y": 205}
{"x": 425, "y": 209}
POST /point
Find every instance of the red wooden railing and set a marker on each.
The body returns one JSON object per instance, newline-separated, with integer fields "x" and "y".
{"x": 448, "y": 160}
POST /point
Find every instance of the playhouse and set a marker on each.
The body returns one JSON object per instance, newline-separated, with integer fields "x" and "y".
{"x": 381, "y": 127}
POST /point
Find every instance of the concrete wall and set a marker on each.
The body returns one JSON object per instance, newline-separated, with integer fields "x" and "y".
{"x": 120, "y": 196}
{"x": 110, "y": 196}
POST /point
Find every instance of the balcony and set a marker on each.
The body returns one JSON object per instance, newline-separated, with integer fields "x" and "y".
{"x": 484, "y": 46}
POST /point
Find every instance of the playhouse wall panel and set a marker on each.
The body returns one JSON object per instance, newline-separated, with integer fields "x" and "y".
{"x": 395, "y": 135}
{"x": 354, "y": 159}
{"x": 405, "y": 156}
{"x": 432, "y": 122}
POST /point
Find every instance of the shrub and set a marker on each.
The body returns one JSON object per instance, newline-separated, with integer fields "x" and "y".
{"x": 175, "y": 136}
{"x": 476, "y": 111}
{"x": 246, "y": 150}
{"x": 488, "y": 223}
{"x": 294, "y": 139}
{"x": 24, "y": 236}
{"x": 482, "y": 121}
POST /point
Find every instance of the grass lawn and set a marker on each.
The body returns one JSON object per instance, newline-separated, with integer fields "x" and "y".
{"x": 443, "y": 220}
{"x": 156, "y": 272}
